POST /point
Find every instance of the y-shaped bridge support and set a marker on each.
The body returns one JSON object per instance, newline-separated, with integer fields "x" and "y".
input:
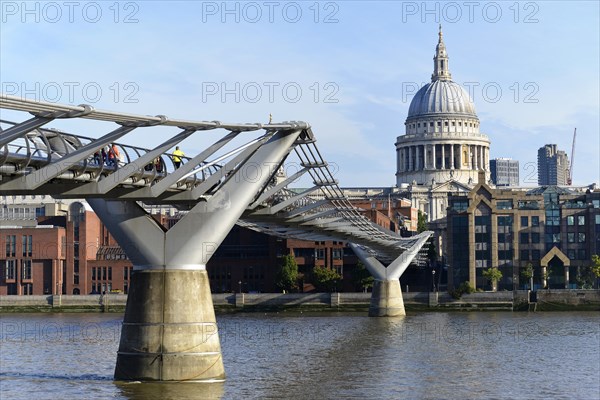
{"x": 386, "y": 299}
{"x": 169, "y": 330}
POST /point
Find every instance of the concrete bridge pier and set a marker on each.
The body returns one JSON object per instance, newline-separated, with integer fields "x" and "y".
{"x": 169, "y": 329}
{"x": 386, "y": 298}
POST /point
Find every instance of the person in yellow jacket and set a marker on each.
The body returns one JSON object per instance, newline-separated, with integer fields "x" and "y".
{"x": 177, "y": 155}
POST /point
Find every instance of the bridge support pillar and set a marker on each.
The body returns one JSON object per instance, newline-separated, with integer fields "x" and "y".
{"x": 169, "y": 329}
{"x": 386, "y": 298}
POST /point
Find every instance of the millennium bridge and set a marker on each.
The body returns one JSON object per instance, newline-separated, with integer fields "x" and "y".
{"x": 169, "y": 330}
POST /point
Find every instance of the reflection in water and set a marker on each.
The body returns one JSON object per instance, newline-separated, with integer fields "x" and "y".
{"x": 352, "y": 359}
{"x": 163, "y": 390}
{"x": 499, "y": 355}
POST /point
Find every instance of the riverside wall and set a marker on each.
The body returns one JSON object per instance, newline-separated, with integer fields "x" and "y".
{"x": 543, "y": 300}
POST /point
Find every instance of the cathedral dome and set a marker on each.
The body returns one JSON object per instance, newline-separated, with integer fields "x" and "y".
{"x": 441, "y": 97}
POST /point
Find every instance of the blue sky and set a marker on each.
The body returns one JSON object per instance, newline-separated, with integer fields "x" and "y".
{"x": 347, "y": 67}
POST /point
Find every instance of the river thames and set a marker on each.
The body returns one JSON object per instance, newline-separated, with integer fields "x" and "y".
{"x": 499, "y": 355}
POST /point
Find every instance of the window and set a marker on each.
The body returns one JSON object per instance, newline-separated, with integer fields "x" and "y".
{"x": 103, "y": 273}
{"x": 598, "y": 219}
{"x": 571, "y": 254}
{"x": 524, "y": 255}
{"x": 552, "y": 216}
{"x": 535, "y": 221}
{"x": 524, "y": 222}
{"x": 125, "y": 270}
{"x": 110, "y": 273}
{"x": 524, "y": 238}
{"x": 596, "y": 203}
{"x": 11, "y": 269}
{"x": 337, "y": 254}
{"x": 26, "y": 269}
{"x": 581, "y": 220}
{"x": 581, "y": 237}
{"x": 504, "y": 204}
{"x": 76, "y": 266}
{"x": 535, "y": 237}
{"x": 582, "y": 254}
{"x": 75, "y": 279}
{"x": 535, "y": 255}
{"x": 571, "y": 237}
{"x": 11, "y": 246}
{"x": 28, "y": 289}
{"x": 460, "y": 205}
{"x": 93, "y": 273}
{"x": 27, "y": 246}
{"x": 570, "y": 220}
{"x": 320, "y": 254}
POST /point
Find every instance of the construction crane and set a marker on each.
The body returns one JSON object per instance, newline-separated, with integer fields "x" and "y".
{"x": 570, "y": 177}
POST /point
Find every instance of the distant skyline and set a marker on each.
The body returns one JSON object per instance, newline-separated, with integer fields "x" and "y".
{"x": 350, "y": 69}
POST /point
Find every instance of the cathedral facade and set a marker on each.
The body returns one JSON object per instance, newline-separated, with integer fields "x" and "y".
{"x": 442, "y": 150}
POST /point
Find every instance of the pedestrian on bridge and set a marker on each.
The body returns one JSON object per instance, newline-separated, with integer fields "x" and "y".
{"x": 177, "y": 157}
{"x": 113, "y": 155}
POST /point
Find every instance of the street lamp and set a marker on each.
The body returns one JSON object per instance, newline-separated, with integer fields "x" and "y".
{"x": 433, "y": 279}
{"x": 240, "y": 283}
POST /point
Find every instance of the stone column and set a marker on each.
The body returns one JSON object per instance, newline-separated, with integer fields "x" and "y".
{"x": 401, "y": 159}
{"x": 544, "y": 279}
{"x": 410, "y": 158}
{"x": 433, "y": 166}
{"x": 452, "y": 156}
{"x": 476, "y": 148}
{"x": 443, "y": 156}
{"x": 417, "y": 157}
{"x": 469, "y": 156}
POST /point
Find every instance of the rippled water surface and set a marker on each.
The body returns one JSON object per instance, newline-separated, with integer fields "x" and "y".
{"x": 322, "y": 356}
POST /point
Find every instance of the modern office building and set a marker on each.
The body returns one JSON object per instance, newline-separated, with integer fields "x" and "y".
{"x": 505, "y": 172}
{"x": 553, "y": 166}
{"x": 555, "y": 229}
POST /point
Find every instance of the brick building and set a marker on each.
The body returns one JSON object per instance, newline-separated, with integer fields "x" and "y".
{"x": 554, "y": 228}
{"x": 47, "y": 248}
{"x": 63, "y": 248}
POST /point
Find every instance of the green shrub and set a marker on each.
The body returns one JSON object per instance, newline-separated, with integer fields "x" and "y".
{"x": 463, "y": 288}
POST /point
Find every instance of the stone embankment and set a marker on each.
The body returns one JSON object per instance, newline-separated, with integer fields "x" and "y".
{"x": 520, "y": 300}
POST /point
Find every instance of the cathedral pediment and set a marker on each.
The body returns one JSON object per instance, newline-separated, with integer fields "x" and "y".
{"x": 451, "y": 186}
